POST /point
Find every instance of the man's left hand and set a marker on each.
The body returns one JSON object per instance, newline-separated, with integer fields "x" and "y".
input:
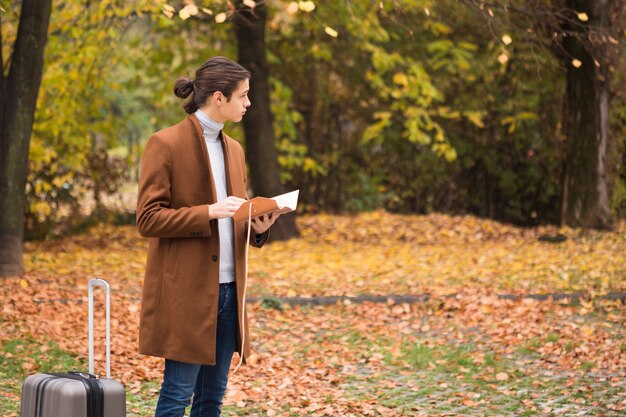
{"x": 262, "y": 223}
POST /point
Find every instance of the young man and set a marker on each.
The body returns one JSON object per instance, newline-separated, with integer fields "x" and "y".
{"x": 193, "y": 179}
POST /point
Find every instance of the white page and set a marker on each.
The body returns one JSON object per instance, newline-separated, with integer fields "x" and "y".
{"x": 288, "y": 200}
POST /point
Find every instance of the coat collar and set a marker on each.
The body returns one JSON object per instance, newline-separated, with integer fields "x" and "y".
{"x": 229, "y": 164}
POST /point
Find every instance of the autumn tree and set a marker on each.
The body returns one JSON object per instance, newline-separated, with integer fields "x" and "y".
{"x": 19, "y": 84}
{"x": 55, "y": 138}
{"x": 84, "y": 118}
{"x": 590, "y": 30}
{"x": 261, "y": 152}
{"x": 584, "y": 36}
{"x": 367, "y": 107}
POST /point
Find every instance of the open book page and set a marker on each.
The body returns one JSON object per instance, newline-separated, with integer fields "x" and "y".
{"x": 287, "y": 201}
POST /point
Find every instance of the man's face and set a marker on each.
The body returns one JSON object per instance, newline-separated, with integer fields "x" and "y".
{"x": 234, "y": 109}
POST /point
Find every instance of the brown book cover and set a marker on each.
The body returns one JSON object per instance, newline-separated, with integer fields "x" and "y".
{"x": 283, "y": 203}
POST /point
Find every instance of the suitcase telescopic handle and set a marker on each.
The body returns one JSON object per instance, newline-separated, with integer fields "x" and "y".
{"x": 97, "y": 282}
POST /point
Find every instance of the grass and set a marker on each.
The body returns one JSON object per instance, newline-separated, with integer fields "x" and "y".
{"x": 428, "y": 378}
{"x": 462, "y": 380}
{"x": 553, "y": 337}
{"x": 144, "y": 402}
{"x": 419, "y": 355}
{"x": 24, "y": 357}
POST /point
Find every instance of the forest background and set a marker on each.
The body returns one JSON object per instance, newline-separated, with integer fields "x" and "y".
{"x": 411, "y": 106}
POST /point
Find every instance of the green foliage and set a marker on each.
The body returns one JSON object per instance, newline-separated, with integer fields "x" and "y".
{"x": 102, "y": 94}
{"x": 410, "y": 105}
{"x": 79, "y": 117}
{"x": 356, "y": 93}
{"x": 293, "y": 156}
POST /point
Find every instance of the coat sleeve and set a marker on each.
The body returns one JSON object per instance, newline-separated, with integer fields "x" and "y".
{"x": 155, "y": 216}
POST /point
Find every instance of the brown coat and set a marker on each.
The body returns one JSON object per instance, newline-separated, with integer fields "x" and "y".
{"x": 181, "y": 285}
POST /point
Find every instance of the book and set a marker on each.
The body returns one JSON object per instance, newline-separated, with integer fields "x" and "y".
{"x": 283, "y": 203}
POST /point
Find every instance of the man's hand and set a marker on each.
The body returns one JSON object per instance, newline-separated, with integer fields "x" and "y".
{"x": 225, "y": 208}
{"x": 262, "y": 223}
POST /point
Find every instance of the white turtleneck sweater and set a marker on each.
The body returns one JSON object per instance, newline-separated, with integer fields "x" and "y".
{"x": 213, "y": 140}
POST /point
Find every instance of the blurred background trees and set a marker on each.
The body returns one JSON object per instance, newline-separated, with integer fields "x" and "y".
{"x": 412, "y": 106}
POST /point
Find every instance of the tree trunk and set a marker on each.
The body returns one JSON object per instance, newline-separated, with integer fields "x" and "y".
{"x": 585, "y": 200}
{"x": 261, "y": 151}
{"x": 17, "y": 112}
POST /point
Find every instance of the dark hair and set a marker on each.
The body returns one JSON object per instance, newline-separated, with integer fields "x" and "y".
{"x": 216, "y": 74}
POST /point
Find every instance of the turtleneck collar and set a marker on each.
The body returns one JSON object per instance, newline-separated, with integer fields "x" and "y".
{"x": 210, "y": 127}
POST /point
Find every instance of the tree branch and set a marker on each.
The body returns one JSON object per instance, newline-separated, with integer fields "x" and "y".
{"x": 547, "y": 25}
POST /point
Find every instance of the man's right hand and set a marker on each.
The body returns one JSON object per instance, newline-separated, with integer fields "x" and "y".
{"x": 225, "y": 208}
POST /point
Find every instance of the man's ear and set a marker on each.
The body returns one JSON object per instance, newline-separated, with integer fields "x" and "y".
{"x": 218, "y": 97}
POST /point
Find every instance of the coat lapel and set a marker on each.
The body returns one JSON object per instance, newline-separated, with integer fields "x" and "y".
{"x": 197, "y": 132}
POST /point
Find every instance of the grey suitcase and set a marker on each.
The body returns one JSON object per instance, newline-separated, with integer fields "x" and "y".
{"x": 77, "y": 394}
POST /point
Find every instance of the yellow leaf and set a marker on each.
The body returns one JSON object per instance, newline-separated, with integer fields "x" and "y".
{"x": 292, "y": 8}
{"x": 576, "y": 63}
{"x": 330, "y": 31}
{"x": 587, "y": 330}
{"x": 583, "y": 17}
{"x": 506, "y": 39}
{"x": 306, "y": 6}
{"x": 184, "y": 14}
{"x": 382, "y": 115}
{"x": 220, "y": 18}
{"x": 309, "y": 165}
{"x": 475, "y": 117}
{"x": 192, "y": 9}
{"x": 400, "y": 79}
{"x": 24, "y": 283}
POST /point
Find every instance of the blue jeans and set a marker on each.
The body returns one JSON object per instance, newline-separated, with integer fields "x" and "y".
{"x": 207, "y": 383}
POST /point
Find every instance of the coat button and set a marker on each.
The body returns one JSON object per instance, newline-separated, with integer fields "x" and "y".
{"x": 214, "y": 257}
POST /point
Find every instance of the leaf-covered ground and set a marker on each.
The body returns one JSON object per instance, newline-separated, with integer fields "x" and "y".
{"x": 464, "y": 351}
